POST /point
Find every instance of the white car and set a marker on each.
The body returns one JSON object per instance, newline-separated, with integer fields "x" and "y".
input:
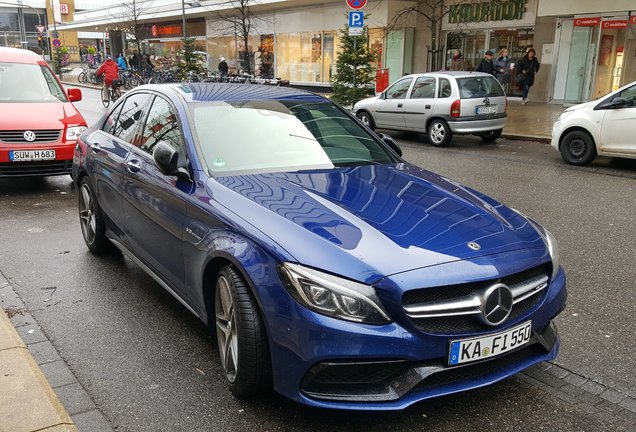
{"x": 439, "y": 104}
{"x": 606, "y": 127}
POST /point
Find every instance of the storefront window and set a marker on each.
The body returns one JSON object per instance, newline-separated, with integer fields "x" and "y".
{"x": 299, "y": 56}
{"x": 376, "y": 46}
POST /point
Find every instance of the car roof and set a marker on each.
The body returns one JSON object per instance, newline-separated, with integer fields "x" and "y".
{"x": 209, "y": 92}
{"x": 17, "y": 55}
{"x": 456, "y": 74}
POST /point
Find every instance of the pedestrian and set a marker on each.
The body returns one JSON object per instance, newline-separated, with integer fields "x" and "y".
{"x": 223, "y": 67}
{"x": 485, "y": 65}
{"x": 526, "y": 68}
{"x": 98, "y": 57}
{"x": 457, "y": 61}
{"x": 502, "y": 67}
{"x": 121, "y": 62}
{"x": 111, "y": 73}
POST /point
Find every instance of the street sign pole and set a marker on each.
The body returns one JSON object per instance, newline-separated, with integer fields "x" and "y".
{"x": 356, "y": 27}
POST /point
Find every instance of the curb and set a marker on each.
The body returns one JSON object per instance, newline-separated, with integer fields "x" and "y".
{"x": 27, "y": 401}
{"x": 538, "y": 138}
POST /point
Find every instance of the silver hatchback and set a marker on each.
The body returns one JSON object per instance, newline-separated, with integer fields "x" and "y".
{"x": 439, "y": 104}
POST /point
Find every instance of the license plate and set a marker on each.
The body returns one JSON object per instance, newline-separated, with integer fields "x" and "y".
{"x": 469, "y": 350}
{"x": 486, "y": 109}
{"x": 31, "y": 155}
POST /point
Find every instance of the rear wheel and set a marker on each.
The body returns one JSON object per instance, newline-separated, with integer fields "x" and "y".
{"x": 240, "y": 334}
{"x": 577, "y": 148}
{"x": 366, "y": 119}
{"x": 439, "y": 134}
{"x": 491, "y": 136}
{"x": 91, "y": 220}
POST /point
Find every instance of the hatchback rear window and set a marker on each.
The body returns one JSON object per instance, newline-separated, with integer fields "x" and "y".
{"x": 479, "y": 87}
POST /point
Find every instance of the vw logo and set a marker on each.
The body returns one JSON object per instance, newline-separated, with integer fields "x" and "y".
{"x": 496, "y": 304}
{"x": 474, "y": 245}
{"x": 29, "y": 136}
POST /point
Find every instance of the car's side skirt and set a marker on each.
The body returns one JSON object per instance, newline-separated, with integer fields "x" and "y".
{"x": 152, "y": 274}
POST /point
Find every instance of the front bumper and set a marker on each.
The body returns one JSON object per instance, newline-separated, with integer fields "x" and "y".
{"x": 335, "y": 364}
{"x": 61, "y": 165}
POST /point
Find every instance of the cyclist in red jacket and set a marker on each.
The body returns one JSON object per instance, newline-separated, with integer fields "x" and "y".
{"x": 111, "y": 73}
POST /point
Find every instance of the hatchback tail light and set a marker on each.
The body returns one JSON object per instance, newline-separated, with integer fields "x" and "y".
{"x": 456, "y": 108}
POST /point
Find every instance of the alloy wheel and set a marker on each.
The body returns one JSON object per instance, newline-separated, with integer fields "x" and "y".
{"x": 437, "y": 133}
{"x": 88, "y": 222}
{"x": 226, "y": 328}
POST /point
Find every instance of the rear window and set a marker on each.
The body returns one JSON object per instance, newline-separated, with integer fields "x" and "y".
{"x": 479, "y": 87}
{"x": 21, "y": 82}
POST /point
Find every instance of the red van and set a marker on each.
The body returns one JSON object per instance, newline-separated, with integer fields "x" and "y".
{"x": 39, "y": 125}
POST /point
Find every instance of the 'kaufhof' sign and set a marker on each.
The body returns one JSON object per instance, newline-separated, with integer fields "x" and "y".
{"x": 486, "y": 11}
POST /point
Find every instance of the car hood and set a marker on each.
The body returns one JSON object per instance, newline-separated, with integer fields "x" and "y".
{"x": 45, "y": 115}
{"x": 365, "y": 103}
{"x": 372, "y": 221}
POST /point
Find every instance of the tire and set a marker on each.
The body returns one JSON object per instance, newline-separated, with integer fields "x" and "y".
{"x": 91, "y": 219}
{"x": 439, "y": 134}
{"x": 105, "y": 102}
{"x": 366, "y": 119}
{"x": 578, "y": 148}
{"x": 240, "y": 334}
{"x": 491, "y": 136}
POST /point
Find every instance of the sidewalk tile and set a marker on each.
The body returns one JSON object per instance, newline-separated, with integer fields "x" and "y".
{"x": 92, "y": 421}
{"x": 58, "y": 373}
{"x": 74, "y": 398}
{"x": 44, "y": 352}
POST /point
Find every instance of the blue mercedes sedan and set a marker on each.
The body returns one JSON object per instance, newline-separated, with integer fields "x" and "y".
{"x": 327, "y": 267}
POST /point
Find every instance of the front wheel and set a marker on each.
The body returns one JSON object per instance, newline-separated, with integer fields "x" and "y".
{"x": 439, "y": 134}
{"x": 491, "y": 136}
{"x": 577, "y": 148}
{"x": 366, "y": 119}
{"x": 240, "y": 334}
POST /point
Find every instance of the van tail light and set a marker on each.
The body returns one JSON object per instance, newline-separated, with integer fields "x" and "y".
{"x": 456, "y": 107}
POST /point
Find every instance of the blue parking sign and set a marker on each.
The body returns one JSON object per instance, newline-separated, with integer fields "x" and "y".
{"x": 356, "y": 19}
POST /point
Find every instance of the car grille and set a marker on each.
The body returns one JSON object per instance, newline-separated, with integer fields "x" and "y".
{"x": 19, "y": 169}
{"x": 41, "y": 136}
{"x": 532, "y": 283}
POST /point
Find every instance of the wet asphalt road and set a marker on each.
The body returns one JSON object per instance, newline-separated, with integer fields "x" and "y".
{"x": 149, "y": 365}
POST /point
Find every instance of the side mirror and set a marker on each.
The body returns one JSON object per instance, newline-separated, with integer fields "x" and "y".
{"x": 167, "y": 160}
{"x": 391, "y": 143}
{"x": 74, "y": 94}
{"x": 618, "y": 102}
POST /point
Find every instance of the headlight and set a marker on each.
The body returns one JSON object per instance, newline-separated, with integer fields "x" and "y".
{"x": 73, "y": 132}
{"x": 563, "y": 115}
{"x": 550, "y": 242}
{"x": 553, "y": 248}
{"x": 333, "y": 296}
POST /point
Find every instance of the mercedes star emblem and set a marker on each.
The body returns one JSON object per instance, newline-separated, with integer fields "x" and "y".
{"x": 474, "y": 245}
{"x": 496, "y": 304}
{"x": 29, "y": 136}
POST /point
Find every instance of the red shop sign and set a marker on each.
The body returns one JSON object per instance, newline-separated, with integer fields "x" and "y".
{"x": 587, "y": 22}
{"x": 632, "y": 20}
{"x": 614, "y": 24}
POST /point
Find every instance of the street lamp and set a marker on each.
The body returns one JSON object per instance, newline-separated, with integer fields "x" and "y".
{"x": 191, "y": 4}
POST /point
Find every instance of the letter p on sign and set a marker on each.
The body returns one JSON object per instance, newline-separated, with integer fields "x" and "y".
{"x": 356, "y": 19}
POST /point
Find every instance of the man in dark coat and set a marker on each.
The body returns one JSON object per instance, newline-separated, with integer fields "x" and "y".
{"x": 526, "y": 68}
{"x": 485, "y": 65}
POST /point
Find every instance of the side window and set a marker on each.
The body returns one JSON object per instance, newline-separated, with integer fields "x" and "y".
{"x": 132, "y": 114}
{"x": 399, "y": 89}
{"x": 162, "y": 125}
{"x": 629, "y": 94}
{"x": 424, "y": 88}
{"x": 111, "y": 121}
{"x": 444, "y": 88}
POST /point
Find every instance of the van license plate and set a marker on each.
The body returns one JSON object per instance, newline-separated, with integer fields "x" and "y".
{"x": 468, "y": 350}
{"x": 31, "y": 155}
{"x": 486, "y": 109}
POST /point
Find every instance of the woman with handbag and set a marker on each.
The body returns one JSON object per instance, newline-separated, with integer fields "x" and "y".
{"x": 526, "y": 68}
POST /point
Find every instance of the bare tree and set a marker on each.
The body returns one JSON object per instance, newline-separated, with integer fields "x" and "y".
{"x": 239, "y": 18}
{"x": 129, "y": 20}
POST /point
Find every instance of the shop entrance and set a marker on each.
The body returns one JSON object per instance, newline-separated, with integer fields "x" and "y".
{"x": 582, "y": 53}
{"x": 609, "y": 65}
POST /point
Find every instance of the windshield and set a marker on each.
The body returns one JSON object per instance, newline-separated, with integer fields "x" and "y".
{"x": 239, "y": 137}
{"x": 21, "y": 82}
{"x": 479, "y": 87}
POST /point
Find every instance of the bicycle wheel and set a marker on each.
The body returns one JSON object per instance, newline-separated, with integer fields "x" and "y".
{"x": 81, "y": 78}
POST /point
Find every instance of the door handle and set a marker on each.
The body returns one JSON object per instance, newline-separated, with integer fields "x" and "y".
{"x": 400, "y": 105}
{"x": 427, "y": 107}
{"x": 95, "y": 147}
{"x": 133, "y": 165}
